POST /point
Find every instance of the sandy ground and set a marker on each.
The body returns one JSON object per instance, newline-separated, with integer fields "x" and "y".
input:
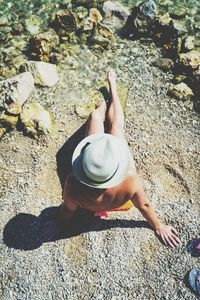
{"x": 119, "y": 257}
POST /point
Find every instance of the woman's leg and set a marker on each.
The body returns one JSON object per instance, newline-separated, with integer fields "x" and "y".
{"x": 115, "y": 114}
{"x": 95, "y": 122}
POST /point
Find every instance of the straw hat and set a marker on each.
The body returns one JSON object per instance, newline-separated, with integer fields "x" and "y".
{"x": 101, "y": 160}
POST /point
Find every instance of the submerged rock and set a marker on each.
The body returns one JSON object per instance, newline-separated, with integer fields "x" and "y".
{"x": 16, "y": 89}
{"x": 188, "y": 43}
{"x": 41, "y": 45}
{"x": 101, "y": 36}
{"x": 37, "y": 121}
{"x": 65, "y": 22}
{"x": 190, "y": 59}
{"x": 140, "y": 21}
{"x": 33, "y": 25}
{"x": 95, "y": 15}
{"x": 181, "y": 91}
{"x": 113, "y": 8}
{"x": 45, "y": 74}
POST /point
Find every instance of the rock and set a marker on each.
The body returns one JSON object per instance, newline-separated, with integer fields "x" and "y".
{"x": 179, "y": 78}
{"x": 181, "y": 91}
{"x": 188, "y": 43}
{"x": 8, "y": 120}
{"x": 14, "y": 109}
{"x": 113, "y": 8}
{"x": 45, "y": 74}
{"x": 140, "y": 20}
{"x": 36, "y": 120}
{"x": 2, "y": 131}
{"x": 164, "y": 20}
{"x": 81, "y": 12}
{"x": 16, "y": 89}
{"x": 164, "y": 64}
{"x": 87, "y": 24}
{"x": 101, "y": 36}
{"x": 17, "y": 28}
{"x": 41, "y": 45}
{"x": 95, "y": 15}
{"x": 65, "y": 22}
{"x": 177, "y": 12}
{"x": 190, "y": 59}
{"x": 3, "y": 21}
{"x": 88, "y": 3}
{"x": 180, "y": 27}
{"x": 33, "y": 25}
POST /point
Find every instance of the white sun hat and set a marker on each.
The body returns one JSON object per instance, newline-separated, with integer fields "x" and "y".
{"x": 101, "y": 160}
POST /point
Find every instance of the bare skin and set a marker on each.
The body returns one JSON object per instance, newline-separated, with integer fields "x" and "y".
{"x": 77, "y": 194}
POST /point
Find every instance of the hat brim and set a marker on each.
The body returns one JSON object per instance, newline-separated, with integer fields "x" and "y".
{"x": 120, "y": 174}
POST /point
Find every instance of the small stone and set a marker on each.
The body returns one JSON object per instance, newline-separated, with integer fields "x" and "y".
{"x": 181, "y": 91}
{"x": 95, "y": 15}
{"x": 16, "y": 89}
{"x": 179, "y": 78}
{"x": 113, "y": 8}
{"x": 4, "y": 21}
{"x": 164, "y": 64}
{"x": 189, "y": 43}
{"x": 164, "y": 20}
{"x": 36, "y": 120}
{"x": 190, "y": 59}
{"x": 45, "y": 74}
{"x": 101, "y": 36}
{"x": 33, "y": 25}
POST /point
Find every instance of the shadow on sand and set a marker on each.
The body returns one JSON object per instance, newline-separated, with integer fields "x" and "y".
{"x": 25, "y": 231}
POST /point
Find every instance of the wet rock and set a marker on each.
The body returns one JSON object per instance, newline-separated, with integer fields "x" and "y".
{"x": 8, "y": 120}
{"x": 101, "y": 36}
{"x": 190, "y": 59}
{"x": 65, "y": 22}
{"x": 140, "y": 20}
{"x": 16, "y": 89}
{"x": 181, "y": 91}
{"x": 188, "y": 43}
{"x": 164, "y": 64}
{"x": 95, "y": 15}
{"x": 33, "y": 25}
{"x": 45, "y": 74}
{"x": 81, "y": 12}
{"x": 41, "y": 45}
{"x": 87, "y": 24}
{"x": 36, "y": 120}
{"x": 113, "y": 8}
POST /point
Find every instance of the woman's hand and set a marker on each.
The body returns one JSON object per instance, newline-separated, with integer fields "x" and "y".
{"x": 168, "y": 235}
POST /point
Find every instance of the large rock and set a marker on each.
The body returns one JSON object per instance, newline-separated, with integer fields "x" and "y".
{"x": 113, "y": 8}
{"x": 181, "y": 91}
{"x": 101, "y": 36}
{"x": 65, "y": 22}
{"x": 164, "y": 64}
{"x": 41, "y": 45}
{"x": 37, "y": 121}
{"x": 190, "y": 59}
{"x": 139, "y": 22}
{"x": 45, "y": 74}
{"x": 16, "y": 89}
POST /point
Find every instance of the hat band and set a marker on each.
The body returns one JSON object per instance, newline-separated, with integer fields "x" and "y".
{"x": 101, "y": 181}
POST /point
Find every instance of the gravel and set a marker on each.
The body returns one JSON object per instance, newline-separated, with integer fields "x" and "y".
{"x": 118, "y": 258}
